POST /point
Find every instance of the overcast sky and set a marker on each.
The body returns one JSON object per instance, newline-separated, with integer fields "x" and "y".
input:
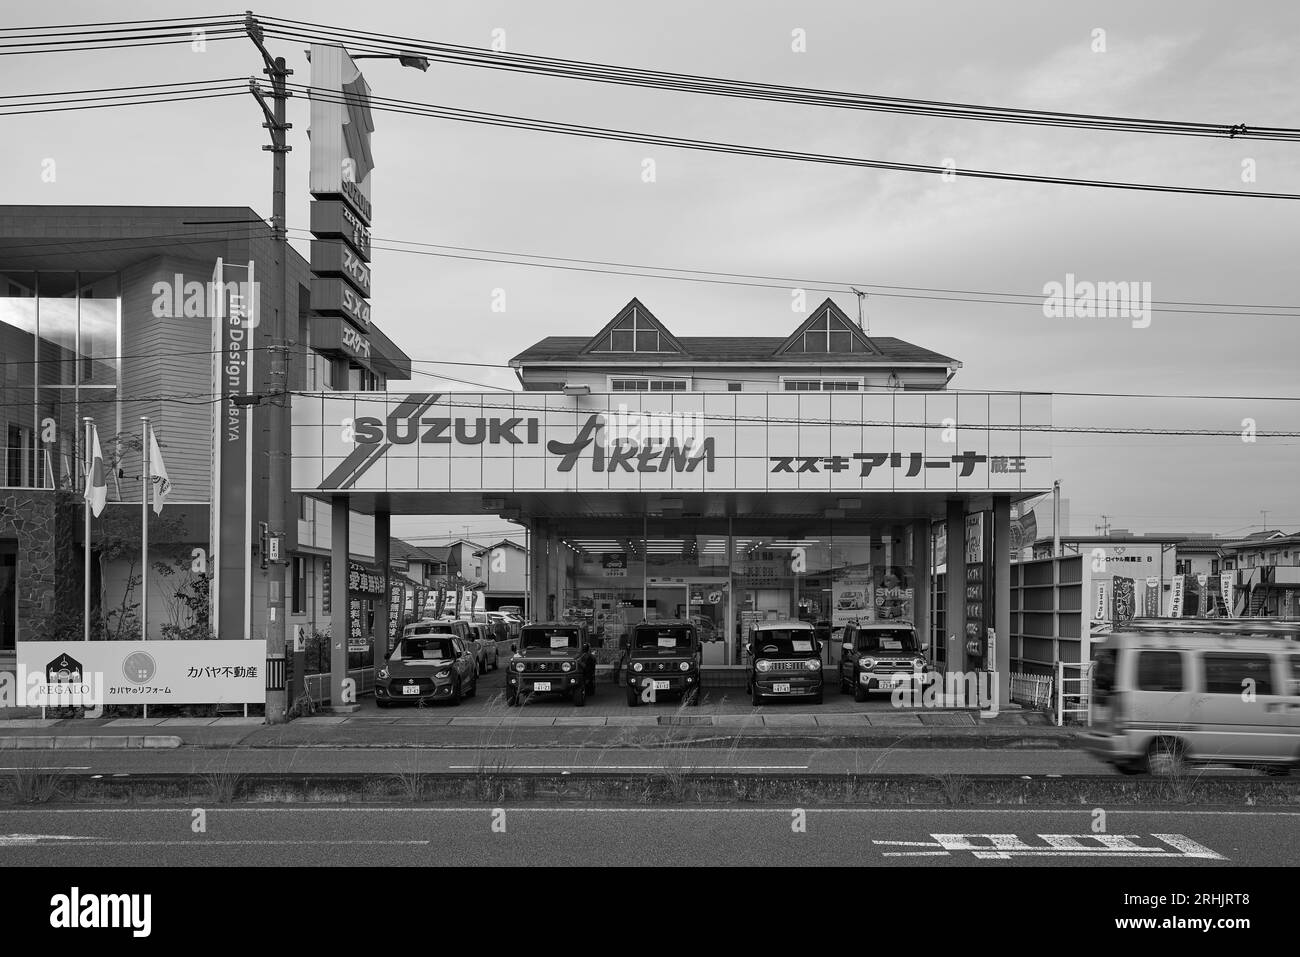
{"x": 456, "y": 184}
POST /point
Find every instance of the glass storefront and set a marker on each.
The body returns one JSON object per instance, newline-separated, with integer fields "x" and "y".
{"x": 710, "y": 572}
{"x": 59, "y": 335}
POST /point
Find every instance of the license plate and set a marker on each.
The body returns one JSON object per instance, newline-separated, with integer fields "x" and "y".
{"x": 541, "y": 686}
{"x": 661, "y": 686}
{"x": 888, "y": 682}
{"x": 778, "y": 688}
{"x": 410, "y": 689}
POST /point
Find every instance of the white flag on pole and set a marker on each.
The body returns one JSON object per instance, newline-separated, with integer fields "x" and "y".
{"x": 96, "y": 485}
{"x": 162, "y": 485}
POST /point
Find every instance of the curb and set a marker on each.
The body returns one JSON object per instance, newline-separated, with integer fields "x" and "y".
{"x": 666, "y": 787}
{"x": 88, "y": 742}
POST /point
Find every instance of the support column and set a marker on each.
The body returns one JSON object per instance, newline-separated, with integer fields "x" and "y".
{"x": 340, "y": 599}
{"x": 383, "y": 640}
{"x": 921, "y": 580}
{"x": 954, "y": 608}
{"x": 1001, "y": 594}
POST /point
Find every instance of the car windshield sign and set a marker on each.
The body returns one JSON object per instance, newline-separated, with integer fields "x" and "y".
{"x": 900, "y": 641}
{"x": 554, "y": 639}
{"x": 426, "y": 649}
{"x": 781, "y": 641}
{"x": 663, "y": 639}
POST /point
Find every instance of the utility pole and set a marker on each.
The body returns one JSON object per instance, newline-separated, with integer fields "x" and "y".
{"x": 277, "y": 411}
{"x": 1264, "y": 513}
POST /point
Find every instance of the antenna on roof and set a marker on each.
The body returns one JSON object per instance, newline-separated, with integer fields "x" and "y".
{"x": 862, "y": 296}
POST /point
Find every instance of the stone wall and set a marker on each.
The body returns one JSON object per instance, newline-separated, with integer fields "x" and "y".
{"x": 30, "y": 517}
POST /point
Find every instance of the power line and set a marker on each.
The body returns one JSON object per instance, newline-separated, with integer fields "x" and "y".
{"x": 434, "y": 111}
{"x": 370, "y": 42}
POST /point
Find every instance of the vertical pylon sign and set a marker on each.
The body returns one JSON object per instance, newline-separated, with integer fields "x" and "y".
{"x": 234, "y": 319}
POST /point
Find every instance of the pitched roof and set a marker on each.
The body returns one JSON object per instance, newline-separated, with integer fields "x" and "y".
{"x": 883, "y": 350}
{"x": 401, "y": 550}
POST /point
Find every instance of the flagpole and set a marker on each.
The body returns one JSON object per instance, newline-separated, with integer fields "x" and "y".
{"x": 144, "y": 529}
{"x": 86, "y": 490}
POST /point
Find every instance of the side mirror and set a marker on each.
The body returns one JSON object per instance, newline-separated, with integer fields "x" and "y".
{"x": 586, "y": 646}
{"x": 514, "y": 649}
{"x": 846, "y": 648}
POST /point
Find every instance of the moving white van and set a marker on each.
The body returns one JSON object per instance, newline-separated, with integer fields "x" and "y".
{"x": 1166, "y": 694}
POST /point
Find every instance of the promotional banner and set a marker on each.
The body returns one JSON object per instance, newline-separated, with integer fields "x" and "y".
{"x": 144, "y": 672}
{"x": 1099, "y": 609}
{"x": 475, "y": 442}
{"x": 892, "y": 602}
{"x": 1151, "y": 598}
{"x": 1176, "y": 598}
{"x": 1123, "y": 600}
{"x": 979, "y": 582}
{"x": 613, "y": 566}
{"x": 1227, "y": 588}
{"x": 233, "y": 307}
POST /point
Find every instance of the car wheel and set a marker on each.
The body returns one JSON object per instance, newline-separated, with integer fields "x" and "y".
{"x": 512, "y": 700}
{"x": 1129, "y": 767}
{"x": 693, "y": 696}
{"x": 473, "y": 689}
{"x": 633, "y": 699}
{"x": 1165, "y": 758}
{"x": 755, "y": 698}
{"x": 1276, "y": 770}
{"x": 455, "y": 693}
{"x": 859, "y": 693}
{"x": 580, "y": 695}
{"x": 381, "y": 703}
{"x": 820, "y": 698}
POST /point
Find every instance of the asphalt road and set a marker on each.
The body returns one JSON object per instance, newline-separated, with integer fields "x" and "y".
{"x": 467, "y": 836}
{"x": 923, "y": 761}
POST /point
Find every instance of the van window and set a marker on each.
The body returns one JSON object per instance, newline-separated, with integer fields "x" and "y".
{"x": 1103, "y": 674}
{"x": 1160, "y": 671}
{"x": 1225, "y": 673}
{"x": 1293, "y": 679}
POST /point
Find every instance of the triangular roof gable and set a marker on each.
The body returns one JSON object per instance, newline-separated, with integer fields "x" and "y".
{"x": 642, "y": 314}
{"x": 838, "y": 322}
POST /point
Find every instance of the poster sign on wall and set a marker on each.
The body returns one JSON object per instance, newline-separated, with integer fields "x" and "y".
{"x": 850, "y": 596}
{"x": 613, "y": 566}
{"x": 147, "y": 672}
{"x": 1122, "y": 599}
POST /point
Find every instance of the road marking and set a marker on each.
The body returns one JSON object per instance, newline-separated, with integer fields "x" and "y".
{"x": 492, "y": 769}
{"x": 11, "y": 840}
{"x": 525, "y": 809}
{"x": 915, "y": 854}
{"x": 909, "y": 843}
{"x": 86, "y": 768}
{"x": 197, "y": 842}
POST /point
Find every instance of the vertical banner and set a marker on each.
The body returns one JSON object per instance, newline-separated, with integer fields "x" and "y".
{"x": 1151, "y": 599}
{"x": 979, "y": 586}
{"x": 1228, "y": 591}
{"x": 234, "y": 317}
{"x": 396, "y": 615}
{"x": 1122, "y": 599}
{"x": 1176, "y": 598}
{"x": 1099, "y": 609}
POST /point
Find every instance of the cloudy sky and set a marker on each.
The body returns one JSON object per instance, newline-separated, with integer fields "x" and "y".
{"x": 454, "y": 184}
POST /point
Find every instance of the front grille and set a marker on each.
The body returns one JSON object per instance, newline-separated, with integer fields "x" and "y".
{"x": 395, "y": 686}
{"x": 892, "y": 668}
{"x": 545, "y": 668}
{"x": 787, "y": 666}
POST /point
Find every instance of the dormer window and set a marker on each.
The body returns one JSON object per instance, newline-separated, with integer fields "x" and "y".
{"x": 634, "y": 333}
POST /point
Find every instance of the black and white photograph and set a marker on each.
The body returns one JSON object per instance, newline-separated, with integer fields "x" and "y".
{"x": 456, "y": 437}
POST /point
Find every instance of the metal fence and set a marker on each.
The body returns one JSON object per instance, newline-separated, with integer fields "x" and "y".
{"x": 1032, "y": 691}
{"x": 1074, "y": 692}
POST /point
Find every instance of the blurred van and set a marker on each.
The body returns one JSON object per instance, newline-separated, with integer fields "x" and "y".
{"x": 1167, "y": 694}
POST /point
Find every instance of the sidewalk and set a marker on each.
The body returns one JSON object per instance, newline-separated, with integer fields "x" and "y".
{"x": 562, "y": 727}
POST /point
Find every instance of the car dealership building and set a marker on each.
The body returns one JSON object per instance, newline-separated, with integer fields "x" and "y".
{"x": 813, "y": 475}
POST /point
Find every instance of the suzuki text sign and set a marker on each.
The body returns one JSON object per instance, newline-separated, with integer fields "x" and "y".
{"x": 534, "y": 441}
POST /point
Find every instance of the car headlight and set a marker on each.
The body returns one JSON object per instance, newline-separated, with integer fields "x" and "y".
{"x": 685, "y": 666}
{"x": 918, "y": 663}
{"x": 383, "y": 672}
{"x": 519, "y": 666}
{"x": 637, "y": 666}
{"x": 566, "y": 667}
{"x": 812, "y": 664}
{"x": 443, "y": 674}
{"x": 867, "y": 663}
{"x": 764, "y": 666}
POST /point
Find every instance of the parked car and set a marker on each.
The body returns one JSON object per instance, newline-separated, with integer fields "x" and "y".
{"x": 784, "y": 661}
{"x": 552, "y": 658}
{"x": 1166, "y": 696}
{"x": 491, "y": 655}
{"x": 427, "y": 666}
{"x": 664, "y": 657}
{"x": 503, "y": 627}
{"x": 881, "y": 656}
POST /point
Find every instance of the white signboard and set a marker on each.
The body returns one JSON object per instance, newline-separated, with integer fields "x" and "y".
{"x": 534, "y": 441}
{"x": 1227, "y": 588}
{"x": 144, "y": 672}
{"x": 1176, "y": 598}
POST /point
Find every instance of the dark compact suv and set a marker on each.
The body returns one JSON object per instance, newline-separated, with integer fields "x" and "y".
{"x": 662, "y": 657}
{"x": 552, "y": 658}
{"x": 784, "y": 661}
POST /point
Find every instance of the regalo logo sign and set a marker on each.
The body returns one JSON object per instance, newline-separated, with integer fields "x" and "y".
{"x": 473, "y": 442}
